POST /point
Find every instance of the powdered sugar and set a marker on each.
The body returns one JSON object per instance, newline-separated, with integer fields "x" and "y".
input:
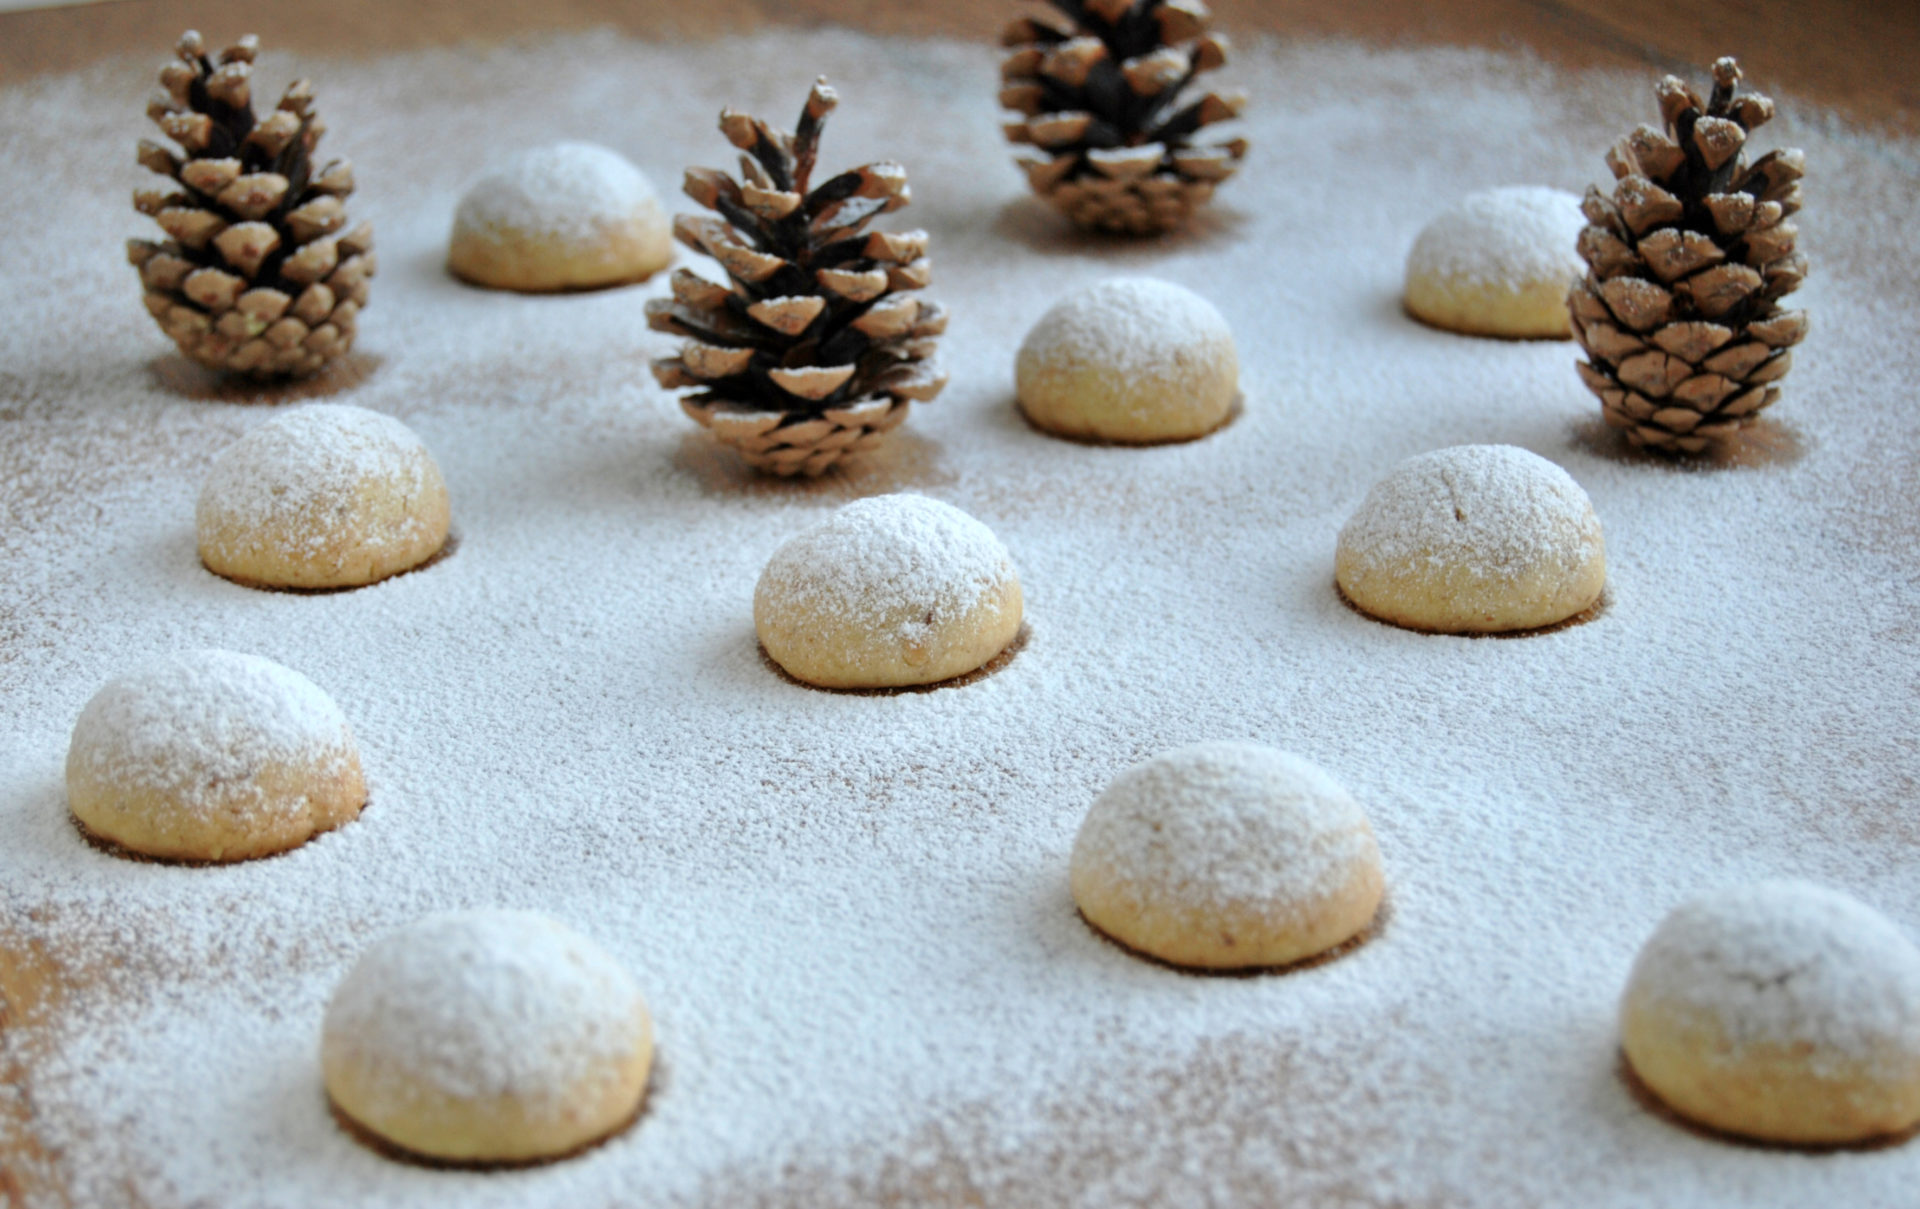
{"x": 902, "y": 561}
{"x": 568, "y": 190}
{"x": 296, "y": 482}
{"x": 1496, "y": 510}
{"x": 1227, "y": 825}
{"x": 1789, "y": 965}
{"x": 851, "y": 914}
{"x": 1509, "y": 237}
{"x": 1138, "y": 327}
{"x": 481, "y": 1004}
{"x": 200, "y": 726}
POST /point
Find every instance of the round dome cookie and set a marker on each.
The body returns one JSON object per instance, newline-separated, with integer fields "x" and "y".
{"x": 1132, "y": 360}
{"x": 1781, "y": 1011}
{"x": 1475, "y": 539}
{"x": 1227, "y": 855}
{"x": 212, "y": 756}
{"x": 889, "y": 591}
{"x": 570, "y": 216}
{"x": 323, "y": 496}
{"x": 487, "y": 1037}
{"x": 1499, "y": 263}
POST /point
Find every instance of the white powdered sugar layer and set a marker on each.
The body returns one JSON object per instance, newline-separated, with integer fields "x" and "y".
{"x": 480, "y": 1004}
{"x": 1787, "y": 965}
{"x": 567, "y": 191}
{"x": 1135, "y": 327}
{"x": 1225, "y": 825}
{"x": 852, "y": 914}
{"x": 1509, "y": 237}
{"x": 900, "y": 561}
{"x": 1497, "y": 510}
{"x": 294, "y": 480}
{"x": 196, "y": 724}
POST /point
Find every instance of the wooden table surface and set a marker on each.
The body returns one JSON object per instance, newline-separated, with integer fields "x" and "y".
{"x": 1861, "y": 57}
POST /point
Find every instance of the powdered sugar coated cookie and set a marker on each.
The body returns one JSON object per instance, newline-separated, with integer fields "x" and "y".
{"x": 567, "y": 216}
{"x": 1473, "y": 539}
{"x": 888, "y": 591}
{"x": 1227, "y": 855}
{"x": 324, "y": 496}
{"x": 1783, "y": 1011}
{"x": 487, "y": 1036}
{"x": 212, "y": 756}
{"x": 1498, "y": 263}
{"x": 1133, "y": 360}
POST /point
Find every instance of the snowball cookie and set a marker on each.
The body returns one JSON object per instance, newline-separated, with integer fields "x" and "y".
{"x": 324, "y": 496}
{"x": 571, "y": 216}
{"x": 1499, "y": 264}
{"x": 1781, "y": 1011}
{"x": 1476, "y": 539}
{"x": 1132, "y": 360}
{"x": 212, "y": 756}
{"x": 888, "y": 591}
{"x": 487, "y": 1037}
{"x": 1225, "y": 856}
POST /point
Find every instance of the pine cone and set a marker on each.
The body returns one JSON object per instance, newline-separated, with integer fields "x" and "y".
{"x": 1099, "y": 92}
{"x": 253, "y": 278}
{"x": 1679, "y": 312}
{"x": 819, "y": 345}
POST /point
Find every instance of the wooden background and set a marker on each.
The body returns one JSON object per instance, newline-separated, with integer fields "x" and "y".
{"x": 1861, "y": 57}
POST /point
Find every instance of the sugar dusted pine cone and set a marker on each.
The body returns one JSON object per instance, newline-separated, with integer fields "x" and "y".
{"x": 253, "y": 276}
{"x": 1099, "y": 89}
{"x": 1679, "y": 312}
{"x": 820, "y": 343}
